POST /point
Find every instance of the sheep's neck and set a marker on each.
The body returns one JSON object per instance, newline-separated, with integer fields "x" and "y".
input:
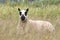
{"x": 23, "y": 24}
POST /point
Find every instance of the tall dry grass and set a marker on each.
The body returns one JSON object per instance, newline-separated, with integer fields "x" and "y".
{"x": 9, "y": 20}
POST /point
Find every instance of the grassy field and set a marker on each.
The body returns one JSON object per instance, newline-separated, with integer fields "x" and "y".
{"x": 9, "y": 20}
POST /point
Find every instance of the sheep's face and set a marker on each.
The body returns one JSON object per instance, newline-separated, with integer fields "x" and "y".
{"x": 23, "y": 14}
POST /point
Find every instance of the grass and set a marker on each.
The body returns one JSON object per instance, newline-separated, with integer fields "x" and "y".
{"x": 9, "y": 20}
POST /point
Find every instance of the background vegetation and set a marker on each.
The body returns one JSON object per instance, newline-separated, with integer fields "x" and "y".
{"x": 38, "y": 10}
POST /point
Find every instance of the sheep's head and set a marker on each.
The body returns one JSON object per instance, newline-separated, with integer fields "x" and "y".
{"x": 23, "y": 14}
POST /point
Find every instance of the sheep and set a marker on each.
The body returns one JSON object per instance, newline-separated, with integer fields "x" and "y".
{"x": 26, "y": 24}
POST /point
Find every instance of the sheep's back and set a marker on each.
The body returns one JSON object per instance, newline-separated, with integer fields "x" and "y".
{"x": 42, "y": 25}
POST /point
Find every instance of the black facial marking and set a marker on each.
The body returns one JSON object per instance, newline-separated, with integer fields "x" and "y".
{"x": 20, "y": 13}
{"x": 25, "y": 13}
{"x": 22, "y": 18}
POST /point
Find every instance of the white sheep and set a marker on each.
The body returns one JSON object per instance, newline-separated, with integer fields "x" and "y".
{"x": 38, "y": 25}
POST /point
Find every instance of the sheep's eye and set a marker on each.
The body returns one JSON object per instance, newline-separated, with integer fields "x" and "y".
{"x": 20, "y": 13}
{"x": 25, "y": 13}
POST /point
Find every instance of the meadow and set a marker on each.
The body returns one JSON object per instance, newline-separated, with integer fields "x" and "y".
{"x": 9, "y": 19}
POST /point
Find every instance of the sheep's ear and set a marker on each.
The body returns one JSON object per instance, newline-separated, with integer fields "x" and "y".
{"x": 27, "y": 9}
{"x": 18, "y": 9}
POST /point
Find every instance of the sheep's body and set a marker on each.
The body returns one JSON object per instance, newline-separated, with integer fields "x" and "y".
{"x": 43, "y": 28}
{"x": 37, "y": 25}
{"x": 42, "y": 25}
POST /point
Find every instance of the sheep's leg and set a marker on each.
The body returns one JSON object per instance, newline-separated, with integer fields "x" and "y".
{"x": 53, "y": 36}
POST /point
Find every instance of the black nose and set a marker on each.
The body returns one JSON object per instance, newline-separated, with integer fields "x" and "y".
{"x": 22, "y": 18}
